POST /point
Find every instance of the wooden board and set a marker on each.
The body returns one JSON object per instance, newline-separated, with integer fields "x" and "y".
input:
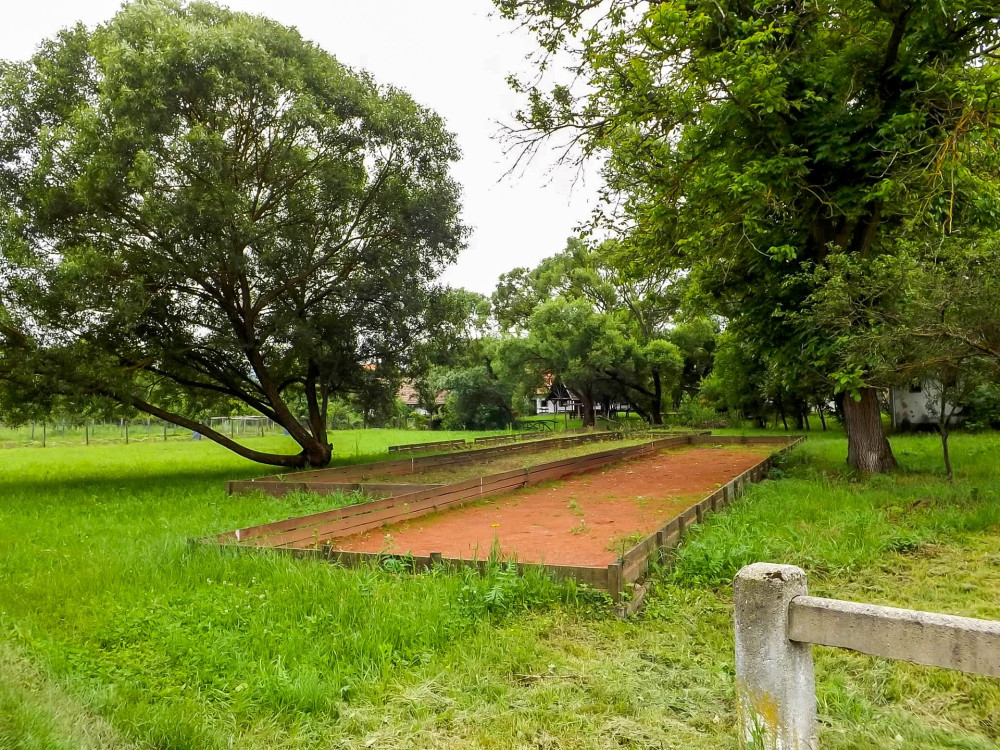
{"x": 308, "y": 533}
{"x": 339, "y": 475}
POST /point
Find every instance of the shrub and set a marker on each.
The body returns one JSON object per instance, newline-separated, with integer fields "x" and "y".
{"x": 693, "y": 412}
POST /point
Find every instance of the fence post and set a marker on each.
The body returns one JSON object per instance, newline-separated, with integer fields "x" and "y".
{"x": 775, "y": 682}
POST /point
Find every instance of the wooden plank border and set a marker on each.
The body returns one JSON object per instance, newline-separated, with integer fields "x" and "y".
{"x": 315, "y": 479}
{"x": 593, "y": 576}
{"x": 310, "y": 534}
{"x": 431, "y": 446}
{"x": 635, "y": 562}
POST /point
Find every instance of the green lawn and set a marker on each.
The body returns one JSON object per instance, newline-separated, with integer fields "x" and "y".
{"x": 115, "y": 632}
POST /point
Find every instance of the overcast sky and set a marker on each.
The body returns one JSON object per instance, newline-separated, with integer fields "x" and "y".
{"x": 452, "y": 56}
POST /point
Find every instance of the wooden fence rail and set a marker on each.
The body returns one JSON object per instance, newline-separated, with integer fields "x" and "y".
{"x": 777, "y": 623}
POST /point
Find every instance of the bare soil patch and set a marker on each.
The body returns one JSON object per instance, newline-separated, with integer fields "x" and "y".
{"x": 501, "y": 463}
{"x": 585, "y": 520}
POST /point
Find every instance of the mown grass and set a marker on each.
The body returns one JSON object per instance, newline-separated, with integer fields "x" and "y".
{"x": 115, "y": 632}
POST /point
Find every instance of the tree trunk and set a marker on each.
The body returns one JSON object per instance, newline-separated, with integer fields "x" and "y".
{"x": 314, "y": 454}
{"x": 643, "y": 414}
{"x": 868, "y": 451}
{"x": 822, "y": 417}
{"x": 588, "y": 410}
{"x": 944, "y": 418}
{"x": 656, "y": 408}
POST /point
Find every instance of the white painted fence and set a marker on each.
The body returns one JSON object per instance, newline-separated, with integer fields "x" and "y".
{"x": 777, "y": 623}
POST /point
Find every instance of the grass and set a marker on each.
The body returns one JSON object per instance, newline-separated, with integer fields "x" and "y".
{"x": 115, "y": 633}
{"x": 361, "y": 442}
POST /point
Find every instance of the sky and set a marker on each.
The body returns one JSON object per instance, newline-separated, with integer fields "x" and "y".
{"x": 450, "y": 55}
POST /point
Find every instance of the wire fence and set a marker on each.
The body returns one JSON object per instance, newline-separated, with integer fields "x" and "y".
{"x": 53, "y": 434}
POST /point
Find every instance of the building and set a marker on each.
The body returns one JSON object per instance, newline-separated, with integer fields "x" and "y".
{"x": 562, "y": 400}
{"x": 559, "y": 400}
{"x": 917, "y": 405}
{"x": 409, "y": 395}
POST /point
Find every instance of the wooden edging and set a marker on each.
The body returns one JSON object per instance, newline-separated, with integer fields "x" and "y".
{"x": 307, "y": 535}
{"x": 315, "y": 480}
{"x": 423, "y": 447}
{"x": 319, "y": 528}
{"x": 593, "y": 576}
{"x": 633, "y": 565}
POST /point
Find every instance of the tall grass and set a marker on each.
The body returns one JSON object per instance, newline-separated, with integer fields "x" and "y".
{"x": 188, "y": 645}
{"x": 842, "y": 525}
{"x": 116, "y": 632}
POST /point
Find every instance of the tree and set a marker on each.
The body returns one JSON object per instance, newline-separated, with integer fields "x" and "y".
{"x": 198, "y": 204}
{"x": 477, "y": 398}
{"x": 936, "y": 323}
{"x": 457, "y": 336}
{"x": 617, "y": 323}
{"x": 696, "y": 340}
{"x": 568, "y": 342}
{"x": 747, "y": 142}
{"x": 738, "y": 382}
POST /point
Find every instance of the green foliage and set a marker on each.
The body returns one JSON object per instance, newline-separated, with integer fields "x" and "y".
{"x": 477, "y": 399}
{"x": 754, "y": 145}
{"x": 201, "y": 208}
{"x": 982, "y": 408}
{"x": 749, "y": 385}
{"x": 696, "y": 340}
{"x": 696, "y": 412}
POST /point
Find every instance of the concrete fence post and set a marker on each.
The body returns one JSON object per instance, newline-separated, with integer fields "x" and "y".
{"x": 775, "y": 682}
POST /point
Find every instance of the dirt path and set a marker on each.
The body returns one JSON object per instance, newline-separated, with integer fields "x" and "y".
{"x": 585, "y": 520}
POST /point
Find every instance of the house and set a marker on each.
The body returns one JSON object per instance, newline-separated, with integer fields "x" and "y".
{"x": 409, "y": 395}
{"x": 559, "y": 399}
{"x": 918, "y": 405}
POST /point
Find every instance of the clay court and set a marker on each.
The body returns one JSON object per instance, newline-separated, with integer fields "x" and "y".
{"x": 590, "y": 519}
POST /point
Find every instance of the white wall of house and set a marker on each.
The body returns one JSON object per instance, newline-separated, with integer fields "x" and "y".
{"x": 556, "y": 406}
{"x": 916, "y": 405}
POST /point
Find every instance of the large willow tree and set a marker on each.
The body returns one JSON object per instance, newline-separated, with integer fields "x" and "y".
{"x": 753, "y": 142}
{"x": 199, "y": 207}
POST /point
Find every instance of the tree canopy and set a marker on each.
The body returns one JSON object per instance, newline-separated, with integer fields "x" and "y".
{"x": 588, "y": 317}
{"x": 198, "y": 205}
{"x": 753, "y": 144}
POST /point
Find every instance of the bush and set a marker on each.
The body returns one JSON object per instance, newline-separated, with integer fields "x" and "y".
{"x": 982, "y": 410}
{"x": 694, "y": 412}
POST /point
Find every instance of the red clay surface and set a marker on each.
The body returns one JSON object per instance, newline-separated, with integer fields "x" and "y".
{"x": 590, "y": 519}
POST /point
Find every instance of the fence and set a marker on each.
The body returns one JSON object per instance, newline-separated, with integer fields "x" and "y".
{"x": 777, "y": 623}
{"x": 124, "y": 431}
